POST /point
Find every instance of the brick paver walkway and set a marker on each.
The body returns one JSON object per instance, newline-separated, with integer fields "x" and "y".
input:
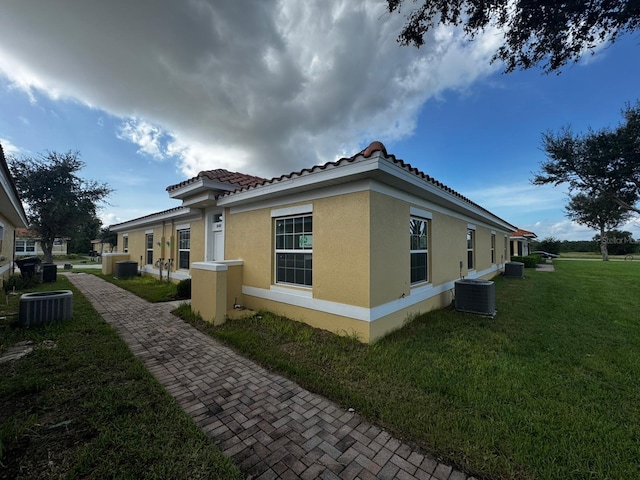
{"x": 267, "y": 424}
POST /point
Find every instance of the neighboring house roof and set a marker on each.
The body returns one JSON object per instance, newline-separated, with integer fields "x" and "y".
{"x": 26, "y": 233}
{"x": 520, "y": 233}
{"x": 9, "y": 193}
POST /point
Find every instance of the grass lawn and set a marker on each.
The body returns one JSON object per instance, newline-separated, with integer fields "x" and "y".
{"x": 145, "y": 286}
{"x": 82, "y": 406}
{"x": 548, "y": 389}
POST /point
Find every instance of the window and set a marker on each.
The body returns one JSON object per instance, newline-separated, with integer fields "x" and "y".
{"x": 57, "y": 242}
{"x": 125, "y": 243}
{"x": 470, "y": 244}
{"x": 25, "y": 246}
{"x": 149, "y": 242}
{"x": 418, "y": 247}
{"x": 184, "y": 247}
{"x": 294, "y": 250}
{"x": 493, "y": 248}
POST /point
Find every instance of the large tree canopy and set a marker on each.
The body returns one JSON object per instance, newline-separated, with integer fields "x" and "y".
{"x": 535, "y": 31}
{"x": 58, "y": 202}
{"x": 598, "y": 163}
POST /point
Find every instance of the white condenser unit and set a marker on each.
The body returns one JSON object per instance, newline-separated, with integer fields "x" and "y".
{"x": 475, "y": 296}
{"x": 514, "y": 269}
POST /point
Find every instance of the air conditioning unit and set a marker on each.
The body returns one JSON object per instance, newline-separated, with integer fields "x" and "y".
{"x": 514, "y": 269}
{"x": 44, "y": 307}
{"x": 126, "y": 269}
{"x": 475, "y": 296}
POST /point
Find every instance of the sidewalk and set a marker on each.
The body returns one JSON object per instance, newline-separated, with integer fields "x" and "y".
{"x": 268, "y": 425}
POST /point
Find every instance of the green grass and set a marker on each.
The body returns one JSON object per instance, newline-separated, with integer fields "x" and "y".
{"x": 548, "y": 389}
{"x": 87, "y": 408}
{"x": 145, "y": 286}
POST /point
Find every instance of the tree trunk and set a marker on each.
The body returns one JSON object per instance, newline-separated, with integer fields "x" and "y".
{"x": 47, "y": 248}
{"x": 603, "y": 245}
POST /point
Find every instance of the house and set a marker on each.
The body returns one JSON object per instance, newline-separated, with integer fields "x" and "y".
{"x": 28, "y": 243}
{"x": 358, "y": 245}
{"x": 98, "y": 247}
{"x": 12, "y": 216}
{"x": 520, "y": 242}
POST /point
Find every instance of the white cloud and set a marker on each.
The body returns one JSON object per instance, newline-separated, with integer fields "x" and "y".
{"x": 146, "y": 136}
{"x": 274, "y": 85}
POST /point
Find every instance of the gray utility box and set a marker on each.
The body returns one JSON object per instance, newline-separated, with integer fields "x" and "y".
{"x": 126, "y": 269}
{"x": 476, "y": 296}
{"x": 514, "y": 269}
{"x": 49, "y": 272}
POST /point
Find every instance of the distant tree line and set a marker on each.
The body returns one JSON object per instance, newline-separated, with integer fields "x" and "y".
{"x": 618, "y": 242}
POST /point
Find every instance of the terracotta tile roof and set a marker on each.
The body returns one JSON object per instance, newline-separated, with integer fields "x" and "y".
{"x": 523, "y": 233}
{"x": 241, "y": 180}
{"x": 26, "y": 233}
{"x": 366, "y": 153}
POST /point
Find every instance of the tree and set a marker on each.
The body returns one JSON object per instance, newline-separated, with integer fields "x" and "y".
{"x": 535, "y": 31}
{"x": 604, "y": 162}
{"x": 549, "y": 245}
{"x": 80, "y": 241}
{"x": 107, "y": 236}
{"x": 600, "y": 213}
{"x": 58, "y": 201}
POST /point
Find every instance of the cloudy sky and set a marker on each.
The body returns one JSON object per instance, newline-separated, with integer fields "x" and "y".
{"x": 153, "y": 91}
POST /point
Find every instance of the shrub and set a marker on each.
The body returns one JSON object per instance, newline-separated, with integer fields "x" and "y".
{"x": 530, "y": 261}
{"x": 183, "y": 289}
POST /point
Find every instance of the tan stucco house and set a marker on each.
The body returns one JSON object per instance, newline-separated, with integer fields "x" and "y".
{"x": 356, "y": 246}
{"x": 12, "y": 217}
{"x": 521, "y": 242}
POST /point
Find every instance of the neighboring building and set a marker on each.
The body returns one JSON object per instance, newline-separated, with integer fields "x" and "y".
{"x": 12, "y": 216}
{"x": 98, "y": 247}
{"x": 521, "y": 242}
{"x": 354, "y": 246}
{"x": 28, "y": 243}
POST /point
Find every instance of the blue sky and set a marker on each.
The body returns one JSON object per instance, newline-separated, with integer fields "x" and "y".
{"x": 152, "y": 94}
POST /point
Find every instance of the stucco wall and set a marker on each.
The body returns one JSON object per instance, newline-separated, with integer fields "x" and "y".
{"x": 6, "y": 250}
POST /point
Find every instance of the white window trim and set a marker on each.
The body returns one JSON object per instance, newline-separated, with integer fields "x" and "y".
{"x": 305, "y": 213}
{"x": 292, "y": 211}
{"x": 420, "y": 283}
{"x": 178, "y": 230}
{"x": 472, "y": 249}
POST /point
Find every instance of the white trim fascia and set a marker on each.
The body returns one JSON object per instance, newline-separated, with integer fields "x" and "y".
{"x": 18, "y": 208}
{"x": 419, "y": 294}
{"x": 182, "y": 226}
{"x": 330, "y": 174}
{"x": 140, "y": 223}
{"x": 295, "y": 210}
{"x": 149, "y": 231}
{"x": 471, "y": 226}
{"x": 200, "y": 184}
{"x": 308, "y": 196}
{"x": 204, "y": 197}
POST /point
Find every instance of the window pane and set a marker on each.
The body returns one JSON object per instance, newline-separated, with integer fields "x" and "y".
{"x": 470, "y": 259}
{"x": 292, "y": 235}
{"x": 418, "y": 267}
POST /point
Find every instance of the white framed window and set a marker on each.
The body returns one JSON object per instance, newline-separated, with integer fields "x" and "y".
{"x": 294, "y": 250}
{"x": 184, "y": 248}
{"x": 493, "y": 248}
{"x": 471, "y": 240}
{"x": 419, "y": 249}
{"x": 148, "y": 240}
{"x": 125, "y": 243}
{"x": 25, "y": 246}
